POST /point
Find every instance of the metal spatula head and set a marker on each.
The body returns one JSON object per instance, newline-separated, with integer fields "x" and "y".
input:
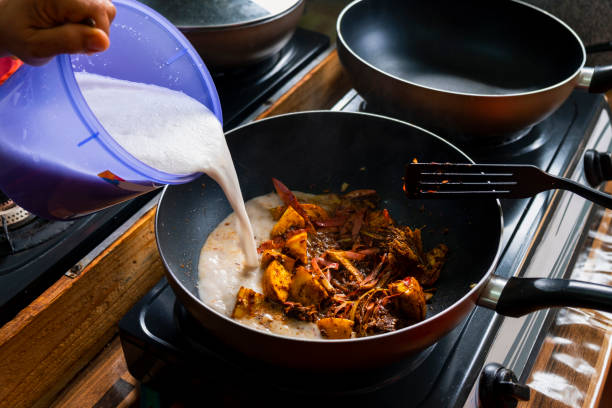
{"x": 465, "y": 180}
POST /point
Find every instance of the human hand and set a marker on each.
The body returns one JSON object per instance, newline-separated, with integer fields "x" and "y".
{"x": 36, "y": 30}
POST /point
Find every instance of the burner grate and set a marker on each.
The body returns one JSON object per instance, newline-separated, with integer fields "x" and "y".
{"x": 13, "y": 215}
{"x": 28, "y": 233}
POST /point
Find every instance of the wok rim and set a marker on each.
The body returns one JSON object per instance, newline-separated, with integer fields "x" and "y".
{"x": 241, "y": 25}
{"x": 474, "y": 291}
{"x": 570, "y": 78}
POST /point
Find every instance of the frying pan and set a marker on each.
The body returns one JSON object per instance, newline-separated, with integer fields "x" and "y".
{"x": 317, "y": 152}
{"x": 473, "y": 71}
{"x": 233, "y": 33}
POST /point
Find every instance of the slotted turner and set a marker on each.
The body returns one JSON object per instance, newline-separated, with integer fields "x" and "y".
{"x": 446, "y": 180}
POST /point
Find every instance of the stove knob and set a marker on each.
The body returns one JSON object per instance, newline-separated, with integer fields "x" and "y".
{"x": 499, "y": 388}
{"x": 597, "y": 167}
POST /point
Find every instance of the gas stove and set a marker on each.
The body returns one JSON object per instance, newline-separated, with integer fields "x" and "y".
{"x": 35, "y": 252}
{"x": 179, "y": 362}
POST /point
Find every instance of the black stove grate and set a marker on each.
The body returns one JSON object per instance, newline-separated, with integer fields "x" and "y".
{"x": 35, "y": 231}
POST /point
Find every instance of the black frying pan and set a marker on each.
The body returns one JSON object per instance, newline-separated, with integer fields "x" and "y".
{"x": 230, "y": 34}
{"x": 316, "y": 152}
{"x": 474, "y": 70}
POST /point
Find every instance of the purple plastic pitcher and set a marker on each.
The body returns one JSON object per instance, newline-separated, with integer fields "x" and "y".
{"x": 57, "y": 161}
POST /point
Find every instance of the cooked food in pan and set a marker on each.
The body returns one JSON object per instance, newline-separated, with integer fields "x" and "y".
{"x": 332, "y": 266}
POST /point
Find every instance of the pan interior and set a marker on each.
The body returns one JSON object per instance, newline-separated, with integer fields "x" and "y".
{"x": 476, "y": 46}
{"x": 316, "y": 152}
{"x": 218, "y": 13}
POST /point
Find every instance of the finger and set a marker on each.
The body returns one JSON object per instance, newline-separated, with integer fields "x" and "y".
{"x": 68, "y": 38}
{"x": 101, "y": 11}
{"x": 74, "y": 11}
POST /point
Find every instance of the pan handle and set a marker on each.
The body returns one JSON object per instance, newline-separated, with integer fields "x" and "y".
{"x": 595, "y": 79}
{"x": 516, "y": 297}
{"x": 599, "y": 47}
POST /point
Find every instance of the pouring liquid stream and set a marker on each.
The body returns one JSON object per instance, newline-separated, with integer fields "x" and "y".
{"x": 171, "y": 132}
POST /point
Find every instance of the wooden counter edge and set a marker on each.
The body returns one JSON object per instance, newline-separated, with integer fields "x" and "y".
{"x": 53, "y": 338}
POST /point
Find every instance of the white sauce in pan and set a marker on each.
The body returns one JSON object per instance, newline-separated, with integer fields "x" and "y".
{"x": 222, "y": 269}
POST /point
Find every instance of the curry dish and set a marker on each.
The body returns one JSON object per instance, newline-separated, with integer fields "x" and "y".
{"x": 348, "y": 268}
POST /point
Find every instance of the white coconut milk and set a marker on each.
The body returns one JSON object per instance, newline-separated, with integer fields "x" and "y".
{"x": 171, "y": 132}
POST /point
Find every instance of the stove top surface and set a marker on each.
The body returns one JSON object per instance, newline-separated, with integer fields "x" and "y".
{"x": 161, "y": 345}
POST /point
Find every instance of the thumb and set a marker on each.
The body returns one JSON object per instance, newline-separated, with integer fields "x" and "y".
{"x": 67, "y": 39}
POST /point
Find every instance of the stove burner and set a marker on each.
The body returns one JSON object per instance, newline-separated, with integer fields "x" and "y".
{"x": 13, "y": 215}
{"x": 27, "y": 232}
{"x": 178, "y": 359}
{"x": 290, "y": 380}
{"x": 252, "y": 71}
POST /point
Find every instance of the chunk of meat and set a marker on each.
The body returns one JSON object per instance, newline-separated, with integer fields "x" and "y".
{"x": 276, "y": 243}
{"x": 381, "y": 321}
{"x": 335, "y": 327}
{"x": 339, "y": 256}
{"x": 406, "y": 254}
{"x": 276, "y": 282}
{"x": 250, "y": 303}
{"x": 270, "y": 255}
{"x": 277, "y": 212}
{"x": 405, "y": 246}
{"x": 291, "y": 201}
{"x": 434, "y": 262}
{"x": 289, "y": 219}
{"x": 297, "y": 246}
{"x": 306, "y": 288}
{"x": 301, "y": 312}
{"x": 356, "y": 194}
{"x": 378, "y": 220}
{"x": 409, "y": 298}
{"x": 315, "y": 212}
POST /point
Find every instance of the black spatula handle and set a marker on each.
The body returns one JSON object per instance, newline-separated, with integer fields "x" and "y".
{"x": 525, "y": 295}
{"x": 602, "y": 80}
{"x": 599, "y": 47}
{"x": 596, "y": 196}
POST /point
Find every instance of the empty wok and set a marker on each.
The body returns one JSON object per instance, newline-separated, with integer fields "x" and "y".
{"x": 317, "y": 152}
{"x": 474, "y": 71}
